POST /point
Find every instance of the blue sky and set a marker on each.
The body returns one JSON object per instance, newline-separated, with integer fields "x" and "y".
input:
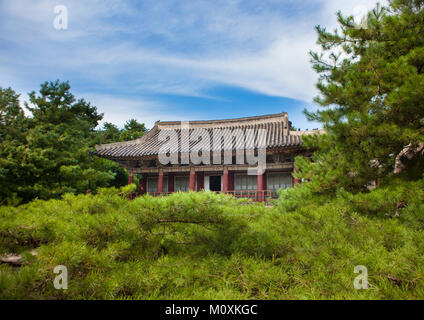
{"x": 171, "y": 59}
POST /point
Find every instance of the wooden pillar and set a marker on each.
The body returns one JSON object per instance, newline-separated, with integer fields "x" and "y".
{"x": 200, "y": 176}
{"x": 260, "y": 186}
{"x": 143, "y": 184}
{"x": 230, "y": 180}
{"x": 192, "y": 181}
{"x": 171, "y": 179}
{"x": 131, "y": 178}
{"x": 225, "y": 180}
{"x": 160, "y": 181}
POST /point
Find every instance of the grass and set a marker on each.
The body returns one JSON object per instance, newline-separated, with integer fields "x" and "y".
{"x": 208, "y": 246}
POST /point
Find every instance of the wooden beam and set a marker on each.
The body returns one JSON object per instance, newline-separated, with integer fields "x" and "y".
{"x": 214, "y": 168}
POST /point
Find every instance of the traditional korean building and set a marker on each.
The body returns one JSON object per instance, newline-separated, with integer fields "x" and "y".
{"x": 167, "y": 157}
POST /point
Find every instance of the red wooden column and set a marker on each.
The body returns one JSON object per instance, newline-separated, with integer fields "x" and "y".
{"x": 171, "y": 178}
{"x": 143, "y": 184}
{"x": 131, "y": 178}
{"x": 160, "y": 181}
{"x": 192, "y": 181}
{"x": 230, "y": 180}
{"x": 225, "y": 180}
{"x": 260, "y": 185}
{"x": 200, "y": 176}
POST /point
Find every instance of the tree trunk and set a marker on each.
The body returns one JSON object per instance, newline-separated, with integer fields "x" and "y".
{"x": 409, "y": 152}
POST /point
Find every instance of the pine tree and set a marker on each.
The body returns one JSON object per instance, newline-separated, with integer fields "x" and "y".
{"x": 110, "y": 133}
{"x": 48, "y": 154}
{"x": 132, "y": 130}
{"x": 13, "y": 126}
{"x": 372, "y": 96}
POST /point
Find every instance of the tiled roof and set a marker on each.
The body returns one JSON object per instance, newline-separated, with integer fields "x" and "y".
{"x": 276, "y": 127}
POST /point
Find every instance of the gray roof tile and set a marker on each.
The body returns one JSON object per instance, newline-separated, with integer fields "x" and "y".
{"x": 276, "y": 127}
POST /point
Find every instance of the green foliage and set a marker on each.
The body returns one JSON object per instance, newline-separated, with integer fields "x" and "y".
{"x": 48, "y": 154}
{"x": 111, "y": 133}
{"x": 372, "y": 93}
{"x": 13, "y": 125}
{"x": 132, "y": 130}
{"x": 211, "y": 246}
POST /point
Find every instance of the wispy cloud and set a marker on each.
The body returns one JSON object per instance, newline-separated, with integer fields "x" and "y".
{"x": 118, "y": 110}
{"x": 117, "y": 48}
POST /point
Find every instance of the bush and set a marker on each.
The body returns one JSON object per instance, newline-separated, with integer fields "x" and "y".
{"x": 211, "y": 246}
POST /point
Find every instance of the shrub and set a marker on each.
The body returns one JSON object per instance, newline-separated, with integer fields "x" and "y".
{"x": 211, "y": 246}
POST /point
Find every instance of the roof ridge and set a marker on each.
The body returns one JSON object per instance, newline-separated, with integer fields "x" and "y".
{"x": 266, "y": 116}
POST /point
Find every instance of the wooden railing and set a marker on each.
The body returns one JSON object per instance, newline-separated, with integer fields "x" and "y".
{"x": 253, "y": 195}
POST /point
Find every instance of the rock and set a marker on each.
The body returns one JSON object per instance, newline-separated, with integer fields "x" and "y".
{"x": 12, "y": 259}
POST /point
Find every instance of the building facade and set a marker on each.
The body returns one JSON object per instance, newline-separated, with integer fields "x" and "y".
{"x": 250, "y": 157}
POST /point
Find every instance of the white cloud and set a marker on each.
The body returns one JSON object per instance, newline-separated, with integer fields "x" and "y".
{"x": 266, "y": 71}
{"x": 118, "y": 110}
{"x": 357, "y": 8}
{"x": 176, "y": 47}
